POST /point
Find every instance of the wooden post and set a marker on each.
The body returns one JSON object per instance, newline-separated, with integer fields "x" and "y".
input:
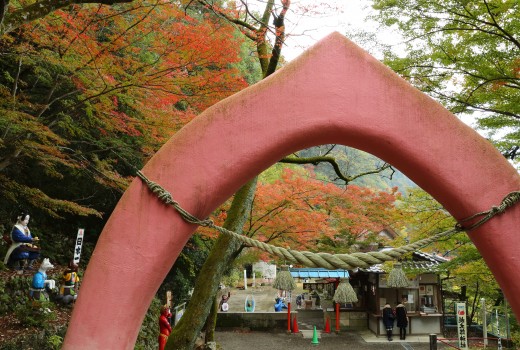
{"x": 484, "y": 321}
{"x": 433, "y": 341}
{"x": 337, "y": 318}
{"x": 289, "y": 316}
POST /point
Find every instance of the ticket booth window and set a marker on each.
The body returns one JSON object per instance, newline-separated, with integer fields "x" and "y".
{"x": 394, "y": 296}
{"x": 428, "y": 298}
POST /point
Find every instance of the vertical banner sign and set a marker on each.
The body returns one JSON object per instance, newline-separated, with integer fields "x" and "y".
{"x": 169, "y": 298}
{"x": 79, "y": 244}
{"x": 169, "y": 304}
{"x": 462, "y": 332}
{"x": 499, "y": 341}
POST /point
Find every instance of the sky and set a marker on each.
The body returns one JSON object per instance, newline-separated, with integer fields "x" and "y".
{"x": 322, "y": 17}
{"x": 304, "y": 31}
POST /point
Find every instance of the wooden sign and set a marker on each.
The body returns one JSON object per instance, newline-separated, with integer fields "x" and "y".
{"x": 79, "y": 244}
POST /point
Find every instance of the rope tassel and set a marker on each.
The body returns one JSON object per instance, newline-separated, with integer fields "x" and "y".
{"x": 284, "y": 280}
{"x": 397, "y": 278}
{"x": 345, "y": 293}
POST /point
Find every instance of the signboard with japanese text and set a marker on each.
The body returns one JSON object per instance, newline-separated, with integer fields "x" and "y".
{"x": 178, "y": 312}
{"x": 462, "y": 332}
{"x": 79, "y": 244}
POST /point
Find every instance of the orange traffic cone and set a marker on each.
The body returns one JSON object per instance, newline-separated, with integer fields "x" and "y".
{"x": 327, "y": 326}
{"x": 295, "y": 326}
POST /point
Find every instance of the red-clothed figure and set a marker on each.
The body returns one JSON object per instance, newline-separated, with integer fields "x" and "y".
{"x": 164, "y": 326}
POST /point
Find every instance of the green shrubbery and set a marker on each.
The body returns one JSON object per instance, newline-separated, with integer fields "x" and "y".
{"x": 232, "y": 278}
{"x": 35, "y": 313}
{"x": 51, "y": 339}
{"x": 149, "y": 332}
{"x": 515, "y": 331}
{"x": 13, "y": 292}
{"x": 39, "y": 315}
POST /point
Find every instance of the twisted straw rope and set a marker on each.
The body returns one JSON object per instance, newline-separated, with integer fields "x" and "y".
{"x": 326, "y": 260}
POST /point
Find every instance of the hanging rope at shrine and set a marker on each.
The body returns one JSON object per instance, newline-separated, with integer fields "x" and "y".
{"x": 326, "y": 260}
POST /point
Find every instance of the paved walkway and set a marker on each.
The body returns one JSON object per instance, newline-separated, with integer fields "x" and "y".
{"x": 264, "y": 298}
{"x": 344, "y": 340}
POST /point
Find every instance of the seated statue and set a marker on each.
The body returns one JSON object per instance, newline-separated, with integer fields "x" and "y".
{"x": 22, "y": 247}
{"x": 40, "y": 285}
{"x": 69, "y": 284}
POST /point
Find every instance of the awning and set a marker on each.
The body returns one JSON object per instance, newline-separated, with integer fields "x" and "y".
{"x": 317, "y": 273}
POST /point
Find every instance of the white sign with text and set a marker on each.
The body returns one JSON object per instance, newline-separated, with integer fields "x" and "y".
{"x": 79, "y": 244}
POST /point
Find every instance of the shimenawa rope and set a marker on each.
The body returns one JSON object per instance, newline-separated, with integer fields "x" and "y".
{"x": 326, "y": 260}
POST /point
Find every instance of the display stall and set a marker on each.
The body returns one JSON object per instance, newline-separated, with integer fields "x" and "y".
{"x": 421, "y": 298}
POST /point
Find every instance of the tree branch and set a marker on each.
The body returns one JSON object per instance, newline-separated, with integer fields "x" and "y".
{"x": 335, "y": 166}
{"x": 279, "y": 23}
{"x": 39, "y": 9}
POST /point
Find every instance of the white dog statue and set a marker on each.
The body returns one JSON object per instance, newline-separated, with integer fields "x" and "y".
{"x": 40, "y": 283}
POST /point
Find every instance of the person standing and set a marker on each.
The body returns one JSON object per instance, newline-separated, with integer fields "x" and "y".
{"x": 388, "y": 320}
{"x": 402, "y": 320}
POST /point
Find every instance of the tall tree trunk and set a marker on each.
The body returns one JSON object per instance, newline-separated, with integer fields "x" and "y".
{"x": 222, "y": 255}
{"x": 226, "y": 249}
{"x": 211, "y": 322}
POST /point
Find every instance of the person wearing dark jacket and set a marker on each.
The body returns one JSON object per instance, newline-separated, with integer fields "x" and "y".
{"x": 402, "y": 320}
{"x": 388, "y": 320}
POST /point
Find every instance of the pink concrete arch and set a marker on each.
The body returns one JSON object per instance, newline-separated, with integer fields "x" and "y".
{"x": 333, "y": 93}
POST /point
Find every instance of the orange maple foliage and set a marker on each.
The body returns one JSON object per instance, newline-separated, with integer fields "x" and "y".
{"x": 94, "y": 85}
{"x": 298, "y": 211}
{"x": 146, "y": 68}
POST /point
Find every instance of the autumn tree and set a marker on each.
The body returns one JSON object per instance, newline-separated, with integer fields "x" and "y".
{"x": 464, "y": 54}
{"x": 466, "y": 270}
{"x": 14, "y": 14}
{"x": 87, "y": 98}
{"x": 300, "y": 210}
